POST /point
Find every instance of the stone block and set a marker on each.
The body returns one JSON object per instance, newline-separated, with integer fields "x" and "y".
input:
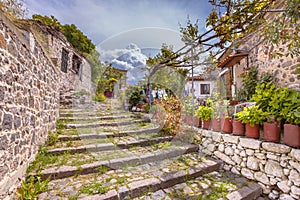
{"x": 273, "y": 168}
{"x": 224, "y": 157}
{"x": 252, "y": 163}
{"x": 221, "y": 147}
{"x": 249, "y": 152}
{"x": 236, "y": 159}
{"x": 247, "y": 173}
{"x": 285, "y": 197}
{"x": 229, "y": 151}
{"x": 295, "y": 190}
{"x": 252, "y": 191}
{"x": 276, "y": 148}
{"x": 172, "y": 178}
{"x": 295, "y": 165}
{"x": 295, "y": 153}
{"x": 139, "y": 187}
{"x": 110, "y": 195}
{"x": 216, "y": 136}
{"x": 261, "y": 177}
{"x": 294, "y": 177}
{"x": 7, "y": 121}
{"x": 283, "y": 186}
{"x": 250, "y": 143}
{"x": 230, "y": 138}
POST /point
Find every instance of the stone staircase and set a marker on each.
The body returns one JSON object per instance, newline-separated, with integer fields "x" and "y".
{"x": 108, "y": 153}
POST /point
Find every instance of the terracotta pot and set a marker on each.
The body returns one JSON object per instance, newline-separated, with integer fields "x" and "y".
{"x": 291, "y": 135}
{"x": 238, "y": 127}
{"x": 252, "y": 131}
{"x": 226, "y": 125}
{"x": 216, "y": 124}
{"x": 272, "y": 132}
{"x": 108, "y": 94}
{"x": 233, "y": 102}
{"x": 206, "y": 124}
{"x": 200, "y": 123}
{"x": 188, "y": 119}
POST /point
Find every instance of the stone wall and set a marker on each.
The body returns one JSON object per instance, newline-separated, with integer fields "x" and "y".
{"x": 55, "y": 42}
{"x": 283, "y": 68}
{"x": 29, "y": 102}
{"x": 276, "y": 167}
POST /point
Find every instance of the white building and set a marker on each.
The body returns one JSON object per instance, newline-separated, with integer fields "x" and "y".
{"x": 203, "y": 86}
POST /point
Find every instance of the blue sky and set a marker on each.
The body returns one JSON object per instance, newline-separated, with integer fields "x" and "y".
{"x": 102, "y": 20}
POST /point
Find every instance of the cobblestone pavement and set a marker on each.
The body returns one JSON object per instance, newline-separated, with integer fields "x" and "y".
{"x": 115, "y": 154}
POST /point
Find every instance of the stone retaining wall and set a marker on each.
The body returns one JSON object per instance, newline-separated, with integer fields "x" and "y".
{"x": 276, "y": 167}
{"x": 29, "y": 102}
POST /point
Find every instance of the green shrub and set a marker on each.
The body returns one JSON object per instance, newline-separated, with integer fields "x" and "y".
{"x": 99, "y": 97}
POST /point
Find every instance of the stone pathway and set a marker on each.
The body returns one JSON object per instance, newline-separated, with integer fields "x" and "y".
{"x": 113, "y": 154}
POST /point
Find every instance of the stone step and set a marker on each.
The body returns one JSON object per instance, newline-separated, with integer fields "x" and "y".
{"x": 102, "y": 135}
{"x": 91, "y": 113}
{"x": 99, "y": 124}
{"x": 134, "y": 181}
{"x": 214, "y": 185}
{"x": 134, "y": 159}
{"x": 104, "y": 117}
{"x": 110, "y": 146}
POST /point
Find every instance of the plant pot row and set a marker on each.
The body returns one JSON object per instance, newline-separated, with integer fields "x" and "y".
{"x": 271, "y": 130}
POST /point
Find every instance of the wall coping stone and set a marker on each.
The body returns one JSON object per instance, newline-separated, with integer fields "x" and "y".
{"x": 250, "y": 143}
{"x": 230, "y": 138}
{"x": 276, "y": 148}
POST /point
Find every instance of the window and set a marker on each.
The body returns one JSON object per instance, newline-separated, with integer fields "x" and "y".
{"x": 204, "y": 88}
{"x": 64, "y": 60}
{"x": 76, "y": 62}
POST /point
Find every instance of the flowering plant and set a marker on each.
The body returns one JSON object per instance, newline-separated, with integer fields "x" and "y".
{"x": 172, "y": 108}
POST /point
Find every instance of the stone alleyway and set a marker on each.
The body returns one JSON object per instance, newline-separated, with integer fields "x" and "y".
{"x": 107, "y": 153}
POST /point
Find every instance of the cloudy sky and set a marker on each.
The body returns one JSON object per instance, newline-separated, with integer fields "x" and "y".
{"x": 102, "y": 20}
{"x": 124, "y": 31}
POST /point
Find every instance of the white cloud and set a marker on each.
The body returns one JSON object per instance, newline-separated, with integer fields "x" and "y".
{"x": 130, "y": 58}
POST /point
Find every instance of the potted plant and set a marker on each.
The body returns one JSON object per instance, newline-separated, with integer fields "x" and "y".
{"x": 215, "y": 120}
{"x": 238, "y": 128}
{"x": 205, "y": 113}
{"x": 252, "y": 116}
{"x": 187, "y": 112}
{"x": 226, "y": 123}
{"x": 291, "y": 131}
{"x": 271, "y": 129}
{"x": 267, "y": 99}
{"x": 291, "y": 113}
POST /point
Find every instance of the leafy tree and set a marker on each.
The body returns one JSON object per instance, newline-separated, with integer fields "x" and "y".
{"x": 49, "y": 21}
{"x": 77, "y": 38}
{"x": 231, "y": 20}
{"x": 107, "y": 79}
{"x": 165, "y": 74}
{"x": 14, "y": 8}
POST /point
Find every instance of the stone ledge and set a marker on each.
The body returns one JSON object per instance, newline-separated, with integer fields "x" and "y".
{"x": 250, "y": 192}
{"x": 68, "y": 171}
{"x": 99, "y": 124}
{"x": 250, "y": 143}
{"x": 164, "y": 181}
{"x": 97, "y": 117}
{"x": 276, "y": 148}
{"x": 107, "y": 134}
{"x": 109, "y": 146}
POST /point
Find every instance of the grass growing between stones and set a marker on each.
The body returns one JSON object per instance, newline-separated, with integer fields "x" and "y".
{"x": 44, "y": 160}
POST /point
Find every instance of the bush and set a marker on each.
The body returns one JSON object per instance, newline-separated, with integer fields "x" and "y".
{"x": 99, "y": 97}
{"x": 172, "y": 109}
